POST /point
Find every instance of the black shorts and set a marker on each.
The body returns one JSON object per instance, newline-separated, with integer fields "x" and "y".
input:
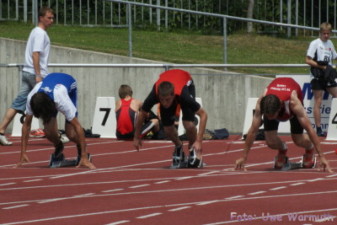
{"x": 295, "y": 126}
{"x": 168, "y": 115}
{"x": 320, "y": 84}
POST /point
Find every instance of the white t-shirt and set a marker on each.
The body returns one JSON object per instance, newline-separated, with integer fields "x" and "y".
{"x": 322, "y": 51}
{"x": 61, "y": 98}
{"x": 38, "y": 41}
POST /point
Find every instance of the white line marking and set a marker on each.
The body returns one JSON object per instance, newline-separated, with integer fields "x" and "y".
{"x": 7, "y": 184}
{"x": 278, "y": 188}
{"x": 257, "y": 193}
{"x": 150, "y": 215}
{"x": 208, "y": 202}
{"x": 16, "y": 206}
{"x": 83, "y": 195}
{"x": 296, "y": 184}
{"x": 139, "y": 186}
{"x": 27, "y": 181}
{"x": 184, "y": 178}
{"x": 317, "y": 179}
{"x": 113, "y": 190}
{"x": 209, "y": 173}
{"x": 178, "y": 209}
{"x": 333, "y": 175}
{"x": 162, "y": 182}
{"x": 52, "y": 200}
{"x": 235, "y": 197}
{"x": 119, "y": 222}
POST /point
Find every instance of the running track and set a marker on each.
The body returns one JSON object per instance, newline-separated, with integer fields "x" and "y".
{"x": 130, "y": 187}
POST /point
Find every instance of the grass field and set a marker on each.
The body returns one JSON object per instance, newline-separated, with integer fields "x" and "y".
{"x": 177, "y": 47}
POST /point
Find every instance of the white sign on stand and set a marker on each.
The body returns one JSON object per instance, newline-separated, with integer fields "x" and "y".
{"x": 104, "y": 122}
{"x": 181, "y": 129}
{"x": 332, "y": 129}
{"x": 17, "y": 125}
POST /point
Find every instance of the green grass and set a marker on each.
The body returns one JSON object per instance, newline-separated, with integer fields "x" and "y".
{"x": 177, "y": 47}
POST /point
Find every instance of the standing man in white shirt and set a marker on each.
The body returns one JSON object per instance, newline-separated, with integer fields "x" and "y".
{"x": 320, "y": 55}
{"x": 34, "y": 70}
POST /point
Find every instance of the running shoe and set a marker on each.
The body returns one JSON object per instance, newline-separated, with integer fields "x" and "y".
{"x": 193, "y": 161}
{"x": 321, "y": 134}
{"x": 37, "y": 133}
{"x": 281, "y": 161}
{"x": 309, "y": 160}
{"x": 4, "y": 141}
{"x": 178, "y": 158}
{"x": 64, "y": 138}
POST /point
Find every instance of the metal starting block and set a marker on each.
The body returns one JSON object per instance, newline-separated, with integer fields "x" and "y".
{"x": 65, "y": 162}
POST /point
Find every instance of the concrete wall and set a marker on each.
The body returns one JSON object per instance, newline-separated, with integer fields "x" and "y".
{"x": 224, "y": 95}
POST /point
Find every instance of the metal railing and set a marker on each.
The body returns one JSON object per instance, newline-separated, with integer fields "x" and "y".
{"x": 223, "y": 17}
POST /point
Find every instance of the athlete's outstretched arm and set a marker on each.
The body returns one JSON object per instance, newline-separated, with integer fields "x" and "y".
{"x": 257, "y": 119}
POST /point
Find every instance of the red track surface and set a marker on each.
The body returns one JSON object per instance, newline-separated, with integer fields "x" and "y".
{"x": 139, "y": 188}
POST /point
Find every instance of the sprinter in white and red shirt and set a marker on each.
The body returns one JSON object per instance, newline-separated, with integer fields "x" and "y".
{"x": 282, "y": 101}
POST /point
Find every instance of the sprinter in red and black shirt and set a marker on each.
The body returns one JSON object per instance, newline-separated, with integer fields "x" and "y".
{"x": 173, "y": 88}
{"x": 282, "y": 101}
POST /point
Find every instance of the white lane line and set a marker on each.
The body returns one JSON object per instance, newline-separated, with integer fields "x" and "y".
{"x": 16, "y": 206}
{"x": 209, "y": 173}
{"x": 52, "y": 200}
{"x": 257, "y": 193}
{"x": 208, "y": 202}
{"x": 113, "y": 190}
{"x": 278, "y": 188}
{"x": 297, "y": 184}
{"x": 317, "y": 179}
{"x": 34, "y": 180}
{"x": 178, "y": 209}
{"x": 139, "y": 186}
{"x": 162, "y": 182}
{"x": 333, "y": 175}
{"x": 149, "y": 215}
{"x": 83, "y": 195}
{"x": 234, "y": 197}
{"x": 184, "y": 178}
{"x": 119, "y": 222}
{"x": 7, "y": 184}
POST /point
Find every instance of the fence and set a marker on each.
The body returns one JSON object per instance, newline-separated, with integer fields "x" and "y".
{"x": 224, "y": 94}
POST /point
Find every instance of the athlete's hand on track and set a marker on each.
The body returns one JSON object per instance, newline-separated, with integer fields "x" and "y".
{"x": 324, "y": 165}
{"x": 240, "y": 164}
{"x": 137, "y": 142}
{"x": 23, "y": 159}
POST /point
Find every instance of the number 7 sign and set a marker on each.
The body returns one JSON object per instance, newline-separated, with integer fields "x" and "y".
{"x": 104, "y": 122}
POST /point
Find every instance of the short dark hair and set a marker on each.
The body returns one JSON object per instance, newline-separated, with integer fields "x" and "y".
{"x": 270, "y": 104}
{"x": 125, "y": 90}
{"x": 43, "y": 106}
{"x": 43, "y": 11}
{"x": 165, "y": 88}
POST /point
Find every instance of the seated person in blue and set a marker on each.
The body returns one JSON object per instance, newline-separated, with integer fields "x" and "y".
{"x": 56, "y": 93}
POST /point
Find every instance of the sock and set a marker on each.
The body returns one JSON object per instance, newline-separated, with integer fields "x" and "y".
{"x": 319, "y": 129}
{"x": 309, "y": 150}
{"x": 58, "y": 149}
{"x": 79, "y": 150}
{"x": 284, "y": 149}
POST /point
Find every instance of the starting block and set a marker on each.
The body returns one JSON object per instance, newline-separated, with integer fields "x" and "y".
{"x": 297, "y": 165}
{"x": 65, "y": 162}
